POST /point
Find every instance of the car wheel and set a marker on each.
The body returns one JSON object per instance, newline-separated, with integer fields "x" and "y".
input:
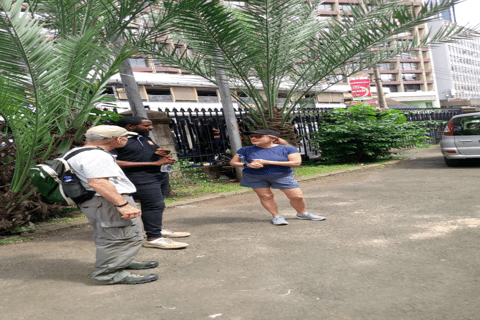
{"x": 451, "y": 162}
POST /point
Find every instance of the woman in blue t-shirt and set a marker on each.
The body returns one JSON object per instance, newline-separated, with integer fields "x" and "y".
{"x": 268, "y": 164}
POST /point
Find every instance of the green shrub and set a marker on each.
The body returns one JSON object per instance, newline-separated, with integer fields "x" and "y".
{"x": 186, "y": 174}
{"x": 363, "y": 134}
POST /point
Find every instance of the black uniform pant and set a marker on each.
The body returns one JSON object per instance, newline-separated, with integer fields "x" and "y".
{"x": 151, "y": 196}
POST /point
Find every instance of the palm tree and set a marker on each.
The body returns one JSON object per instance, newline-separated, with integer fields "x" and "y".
{"x": 280, "y": 42}
{"x": 56, "y": 56}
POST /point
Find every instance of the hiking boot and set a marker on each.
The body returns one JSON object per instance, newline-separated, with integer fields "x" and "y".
{"x": 139, "y": 265}
{"x": 310, "y": 216}
{"x": 164, "y": 243}
{"x": 174, "y": 234}
{"x": 138, "y": 279}
{"x": 279, "y": 220}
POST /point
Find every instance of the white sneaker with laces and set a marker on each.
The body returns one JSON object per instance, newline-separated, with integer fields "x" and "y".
{"x": 164, "y": 243}
{"x": 279, "y": 221}
{"x": 174, "y": 234}
{"x": 310, "y": 216}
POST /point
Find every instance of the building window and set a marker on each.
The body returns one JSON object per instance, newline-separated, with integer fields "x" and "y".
{"x": 410, "y": 76}
{"x": 345, "y": 8}
{"x": 159, "y": 94}
{"x": 332, "y": 79}
{"x": 408, "y": 66}
{"x": 392, "y": 88}
{"x": 207, "y": 96}
{"x": 238, "y": 4}
{"x": 387, "y": 77}
{"x": 108, "y": 90}
{"x": 386, "y": 66}
{"x": 407, "y": 55}
{"x": 138, "y": 63}
{"x": 325, "y": 7}
{"x": 412, "y": 87}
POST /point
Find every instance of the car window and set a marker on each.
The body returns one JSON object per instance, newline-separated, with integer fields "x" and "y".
{"x": 466, "y": 126}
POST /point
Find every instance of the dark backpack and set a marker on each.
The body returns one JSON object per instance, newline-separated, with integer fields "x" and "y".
{"x": 49, "y": 178}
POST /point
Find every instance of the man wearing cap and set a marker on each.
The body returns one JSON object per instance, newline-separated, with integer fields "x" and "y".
{"x": 112, "y": 212}
{"x": 141, "y": 160}
{"x": 268, "y": 164}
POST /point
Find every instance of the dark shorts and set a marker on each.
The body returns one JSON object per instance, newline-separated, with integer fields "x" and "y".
{"x": 276, "y": 181}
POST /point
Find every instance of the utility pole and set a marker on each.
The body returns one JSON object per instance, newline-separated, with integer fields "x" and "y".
{"x": 128, "y": 81}
{"x": 131, "y": 90}
{"x": 381, "y": 95}
{"x": 228, "y": 111}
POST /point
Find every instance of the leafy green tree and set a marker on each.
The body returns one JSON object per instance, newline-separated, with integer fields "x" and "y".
{"x": 277, "y": 45}
{"x": 56, "y": 56}
{"x": 362, "y": 134}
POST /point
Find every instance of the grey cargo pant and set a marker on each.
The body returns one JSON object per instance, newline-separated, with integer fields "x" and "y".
{"x": 117, "y": 240}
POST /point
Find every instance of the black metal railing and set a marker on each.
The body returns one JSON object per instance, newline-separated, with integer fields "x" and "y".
{"x": 201, "y": 135}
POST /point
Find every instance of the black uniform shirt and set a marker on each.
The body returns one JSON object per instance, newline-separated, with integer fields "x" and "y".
{"x": 140, "y": 149}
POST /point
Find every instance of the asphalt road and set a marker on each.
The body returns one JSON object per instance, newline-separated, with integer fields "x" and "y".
{"x": 399, "y": 243}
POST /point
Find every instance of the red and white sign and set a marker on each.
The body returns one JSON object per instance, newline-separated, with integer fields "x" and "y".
{"x": 361, "y": 89}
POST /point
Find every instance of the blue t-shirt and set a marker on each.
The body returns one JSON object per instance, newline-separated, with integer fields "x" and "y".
{"x": 277, "y": 153}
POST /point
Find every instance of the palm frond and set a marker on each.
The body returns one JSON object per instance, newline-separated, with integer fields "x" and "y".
{"x": 273, "y": 42}
{"x": 52, "y": 85}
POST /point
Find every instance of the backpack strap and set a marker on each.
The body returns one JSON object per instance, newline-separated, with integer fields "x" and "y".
{"x": 64, "y": 158}
{"x": 74, "y": 153}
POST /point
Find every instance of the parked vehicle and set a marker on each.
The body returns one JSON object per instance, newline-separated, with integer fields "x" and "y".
{"x": 461, "y": 139}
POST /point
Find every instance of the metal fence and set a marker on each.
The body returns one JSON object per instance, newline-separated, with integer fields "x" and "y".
{"x": 201, "y": 135}
{"x": 434, "y": 130}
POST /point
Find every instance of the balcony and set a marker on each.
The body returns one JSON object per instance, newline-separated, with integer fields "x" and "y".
{"x": 145, "y": 69}
{"x": 413, "y": 82}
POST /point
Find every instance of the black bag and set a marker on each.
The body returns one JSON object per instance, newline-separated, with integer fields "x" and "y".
{"x": 49, "y": 178}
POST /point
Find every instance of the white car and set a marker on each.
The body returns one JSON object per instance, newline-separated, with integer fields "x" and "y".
{"x": 461, "y": 139}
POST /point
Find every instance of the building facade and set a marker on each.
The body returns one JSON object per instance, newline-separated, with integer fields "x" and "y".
{"x": 457, "y": 67}
{"x": 408, "y": 78}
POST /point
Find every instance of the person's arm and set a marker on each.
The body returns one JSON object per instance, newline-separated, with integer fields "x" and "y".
{"x": 162, "y": 152}
{"x": 281, "y": 141}
{"x": 159, "y": 162}
{"x": 107, "y": 190}
{"x": 294, "y": 160}
{"x": 236, "y": 163}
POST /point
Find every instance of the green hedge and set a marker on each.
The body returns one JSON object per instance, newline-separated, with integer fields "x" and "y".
{"x": 363, "y": 134}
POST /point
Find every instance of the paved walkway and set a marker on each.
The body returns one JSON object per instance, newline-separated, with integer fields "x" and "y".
{"x": 400, "y": 242}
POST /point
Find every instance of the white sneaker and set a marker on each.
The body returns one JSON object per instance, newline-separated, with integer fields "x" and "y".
{"x": 310, "y": 216}
{"x": 164, "y": 243}
{"x": 279, "y": 221}
{"x": 174, "y": 234}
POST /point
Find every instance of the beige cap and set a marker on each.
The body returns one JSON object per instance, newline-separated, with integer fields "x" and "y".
{"x": 108, "y": 132}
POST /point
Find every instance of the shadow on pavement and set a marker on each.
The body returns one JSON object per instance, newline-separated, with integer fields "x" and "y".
{"x": 36, "y": 268}
{"x": 221, "y": 220}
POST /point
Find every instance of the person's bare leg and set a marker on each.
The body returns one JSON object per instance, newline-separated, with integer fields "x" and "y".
{"x": 296, "y": 199}
{"x": 298, "y": 203}
{"x": 267, "y": 200}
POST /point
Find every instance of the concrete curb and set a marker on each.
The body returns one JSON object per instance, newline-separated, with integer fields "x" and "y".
{"x": 61, "y": 226}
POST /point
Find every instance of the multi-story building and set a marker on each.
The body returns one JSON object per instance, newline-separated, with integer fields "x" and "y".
{"x": 457, "y": 67}
{"x": 449, "y": 14}
{"x": 408, "y": 78}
